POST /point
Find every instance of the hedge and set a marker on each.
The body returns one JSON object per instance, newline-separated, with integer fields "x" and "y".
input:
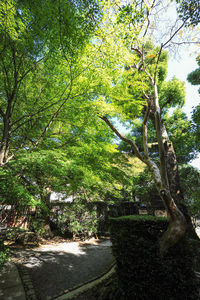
{"x": 142, "y": 273}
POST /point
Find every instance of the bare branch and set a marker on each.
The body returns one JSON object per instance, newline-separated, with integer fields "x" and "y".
{"x": 185, "y": 43}
{"x": 145, "y": 142}
{"x": 173, "y": 35}
{"x": 148, "y": 20}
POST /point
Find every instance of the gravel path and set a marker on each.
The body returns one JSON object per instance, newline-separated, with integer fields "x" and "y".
{"x": 56, "y": 268}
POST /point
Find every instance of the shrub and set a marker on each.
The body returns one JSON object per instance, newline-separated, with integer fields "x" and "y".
{"x": 142, "y": 273}
{"x": 79, "y": 219}
{"x": 20, "y": 236}
{"x": 3, "y": 254}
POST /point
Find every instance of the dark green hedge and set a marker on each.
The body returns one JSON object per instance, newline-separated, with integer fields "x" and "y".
{"x": 142, "y": 273}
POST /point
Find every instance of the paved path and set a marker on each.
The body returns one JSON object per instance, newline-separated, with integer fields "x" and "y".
{"x": 53, "y": 269}
{"x": 11, "y": 287}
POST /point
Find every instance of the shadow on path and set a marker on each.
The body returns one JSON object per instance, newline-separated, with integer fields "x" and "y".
{"x": 54, "y": 269}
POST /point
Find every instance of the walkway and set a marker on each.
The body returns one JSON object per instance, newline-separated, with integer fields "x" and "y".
{"x": 51, "y": 270}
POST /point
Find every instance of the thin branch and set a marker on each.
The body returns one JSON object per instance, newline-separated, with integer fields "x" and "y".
{"x": 54, "y": 116}
{"x": 30, "y": 69}
{"x": 138, "y": 51}
{"x": 44, "y": 108}
{"x": 2, "y": 113}
{"x": 173, "y": 35}
{"x": 156, "y": 69}
{"x": 187, "y": 43}
{"x": 167, "y": 102}
{"x": 123, "y": 138}
{"x": 145, "y": 141}
{"x": 148, "y": 20}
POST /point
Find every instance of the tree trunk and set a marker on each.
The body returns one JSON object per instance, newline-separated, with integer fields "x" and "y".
{"x": 4, "y": 148}
{"x": 170, "y": 178}
{"x": 177, "y": 223}
{"x": 175, "y": 187}
{"x": 5, "y": 140}
{"x": 46, "y": 198}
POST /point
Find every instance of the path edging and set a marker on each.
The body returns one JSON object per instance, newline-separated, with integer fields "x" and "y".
{"x": 78, "y": 290}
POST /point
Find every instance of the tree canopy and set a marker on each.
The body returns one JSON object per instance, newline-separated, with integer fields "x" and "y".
{"x": 70, "y": 72}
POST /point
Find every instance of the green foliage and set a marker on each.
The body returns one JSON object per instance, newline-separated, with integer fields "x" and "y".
{"x": 3, "y": 254}
{"x": 37, "y": 225}
{"x": 130, "y": 14}
{"x": 172, "y": 93}
{"x": 12, "y": 190}
{"x": 181, "y": 133}
{"x": 20, "y": 236}
{"x": 196, "y": 125}
{"x": 190, "y": 183}
{"x": 189, "y": 11}
{"x": 57, "y": 78}
{"x": 41, "y": 66}
{"x": 142, "y": 273}
{"x": 194, "y": 77}
{"x": 144, "y": 187}
{"x": 80, "y": 219}
{"x": 138, "y": 218}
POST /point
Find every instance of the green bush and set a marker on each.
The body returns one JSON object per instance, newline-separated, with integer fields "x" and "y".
{"x": 3, "y": 254}
{"x": 79, "y": 219}
{"x": 20, "y": 235}
{"x": 142, "y": 273}
{"x": 38, "y": 226}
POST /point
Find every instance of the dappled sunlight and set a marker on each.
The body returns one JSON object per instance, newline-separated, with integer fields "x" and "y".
{"x": 53, "y": 254}
{"x": 72, "y": 247}
{"x": 67, "y": 264}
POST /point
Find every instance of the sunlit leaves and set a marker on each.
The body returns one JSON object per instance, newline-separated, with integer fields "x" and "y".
{"x": 194, "y": 77}
{"x": 189, "y": 11}
{"x": 13, "y": 191}
{"x": 10, "y": 20}
{"x": 190, "y": 180}
{"x": 172, "y": 93}
{"x": 181, "y": 134}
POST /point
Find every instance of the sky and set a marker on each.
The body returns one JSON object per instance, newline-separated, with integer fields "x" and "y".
{"x": 181, "y": 68}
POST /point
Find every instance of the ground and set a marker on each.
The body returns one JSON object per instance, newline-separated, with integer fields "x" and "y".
{"x": 57, "y": 265}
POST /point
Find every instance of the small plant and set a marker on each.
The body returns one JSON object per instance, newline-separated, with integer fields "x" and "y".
{"x": 3, "y": 254}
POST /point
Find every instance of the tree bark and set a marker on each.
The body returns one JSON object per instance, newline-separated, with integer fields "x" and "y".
{"x": 5, "y": 141}
{"x": 46, "y": 198}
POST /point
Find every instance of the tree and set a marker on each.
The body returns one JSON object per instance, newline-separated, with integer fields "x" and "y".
{"x": 42, "y": 44}
{"x": 79, "y": 162}
{"x": 138, "y": 93}
{"x": 42, "y": 66}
